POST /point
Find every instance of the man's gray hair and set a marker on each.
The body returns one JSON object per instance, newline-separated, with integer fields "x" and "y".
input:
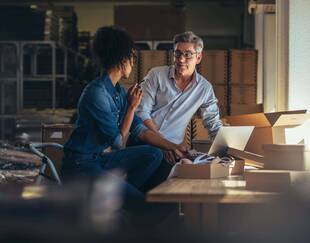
{"x": 189, "y": 37}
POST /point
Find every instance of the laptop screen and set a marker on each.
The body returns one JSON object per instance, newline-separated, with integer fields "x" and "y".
{"x": 231, "y": 136}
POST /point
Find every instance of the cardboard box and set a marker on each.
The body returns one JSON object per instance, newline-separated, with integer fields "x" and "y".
{"x": 149, "y": 59}
{"x": 213, "y": 66}
{"x": 221, "y": 93}
{"x": 202, "y": 171}
{"x": 237, "y": 168}
{"x": 243, "y": 67}
{"x": 55, "y": 133}
{"x": 249, "y": 158}
{"x": 241, "y": 109}
{"x": 286, "y": 157}
{"x": 242, "y": 94}
{"x": 269, "y": 127}
{"x": 273, "y": 180}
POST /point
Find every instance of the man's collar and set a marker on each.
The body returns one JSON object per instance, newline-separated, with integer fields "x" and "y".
{"x": 172, "y": 74}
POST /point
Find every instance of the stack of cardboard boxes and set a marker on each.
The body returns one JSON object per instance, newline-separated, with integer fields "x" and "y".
{"x": 214, "y": 68}
{"x": 276, "y": 137}
{"x": 149, "y": 59}
{"x": 243, "y": 82}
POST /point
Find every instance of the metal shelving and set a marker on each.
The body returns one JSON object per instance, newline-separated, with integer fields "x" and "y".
{"x": 34, "y": 74}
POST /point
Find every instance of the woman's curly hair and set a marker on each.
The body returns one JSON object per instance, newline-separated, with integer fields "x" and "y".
{"x": 111, "y": 46}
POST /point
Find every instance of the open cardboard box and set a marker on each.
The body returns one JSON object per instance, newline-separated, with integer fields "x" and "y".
{"x": 270, "y": 128}
{"x": 202, "y": 171}
{"x": 209, "y": 171}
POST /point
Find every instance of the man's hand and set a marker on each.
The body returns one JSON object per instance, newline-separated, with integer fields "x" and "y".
{"x": 173, "y": 156}
{"x": 170, "y": 157}
{"x": 181, "y": 151}
{"x": 134, "y": 96}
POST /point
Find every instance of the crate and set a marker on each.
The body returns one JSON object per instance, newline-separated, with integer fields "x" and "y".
{"x": 214, "y": 66}
{"x": 149, "y": 59}
{"x": 243, "y": 67}
{"x": 243, "y": 94}
{"x": 221, "y": 93}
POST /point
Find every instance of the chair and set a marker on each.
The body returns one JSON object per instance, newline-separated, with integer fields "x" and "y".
{"x": 46, "y": 161}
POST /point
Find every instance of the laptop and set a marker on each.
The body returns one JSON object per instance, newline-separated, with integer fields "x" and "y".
{"x": 231, "y": 136}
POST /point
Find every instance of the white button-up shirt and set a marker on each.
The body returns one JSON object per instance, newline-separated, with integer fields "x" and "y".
{"x": 171, "y": 108}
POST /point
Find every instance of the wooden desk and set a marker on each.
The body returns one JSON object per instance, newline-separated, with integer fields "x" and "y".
{"x": 201, "y": 197}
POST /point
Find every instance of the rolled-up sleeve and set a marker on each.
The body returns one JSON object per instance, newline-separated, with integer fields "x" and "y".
{"x": 137, "y": 127}
{"x": 149, "y": 88}
{"x": 99, "y": 108}
{"x": 210, "y": 114}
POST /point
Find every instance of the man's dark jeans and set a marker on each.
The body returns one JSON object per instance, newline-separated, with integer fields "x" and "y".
{"x": 161, "y": 173}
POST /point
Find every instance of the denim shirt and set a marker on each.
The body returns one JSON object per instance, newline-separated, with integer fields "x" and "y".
{"x": 101, "y": 110}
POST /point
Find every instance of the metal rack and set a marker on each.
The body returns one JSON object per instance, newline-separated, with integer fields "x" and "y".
{"x": 21, "y": 70}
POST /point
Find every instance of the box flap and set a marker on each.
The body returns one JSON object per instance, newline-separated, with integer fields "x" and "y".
{"x": 256, "y": 119}
{"x": 261, "y": 119}
{"x": 291, "y": 120}
{"x": 274, "y": 116}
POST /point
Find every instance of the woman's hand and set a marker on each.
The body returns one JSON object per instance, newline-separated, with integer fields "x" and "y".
{"x": 134, "y": 96}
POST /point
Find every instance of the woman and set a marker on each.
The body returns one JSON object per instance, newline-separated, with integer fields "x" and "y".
{"x": 106, "y": 116}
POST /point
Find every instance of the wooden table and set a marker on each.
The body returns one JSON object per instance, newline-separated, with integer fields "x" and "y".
{"x": 201, "y": 197}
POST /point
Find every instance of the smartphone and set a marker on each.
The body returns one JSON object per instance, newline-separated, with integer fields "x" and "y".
{"x": 139, "y": 82}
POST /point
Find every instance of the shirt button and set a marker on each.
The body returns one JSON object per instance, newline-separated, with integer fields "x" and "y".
{"x": 118, "y": 124}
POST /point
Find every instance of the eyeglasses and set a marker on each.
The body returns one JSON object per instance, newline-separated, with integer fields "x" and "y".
{"x": 186, "y": 54}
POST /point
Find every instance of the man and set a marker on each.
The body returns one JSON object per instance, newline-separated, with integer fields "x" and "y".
{"x": 172, "y": 95}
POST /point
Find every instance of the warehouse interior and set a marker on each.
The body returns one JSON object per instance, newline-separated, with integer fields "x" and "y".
{"x": 256, "y": 58}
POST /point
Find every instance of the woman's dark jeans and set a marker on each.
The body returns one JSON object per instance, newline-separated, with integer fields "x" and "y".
{"x": 138, "y": 162}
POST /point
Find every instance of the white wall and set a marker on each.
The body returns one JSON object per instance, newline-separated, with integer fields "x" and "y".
{"x": 265, "y": 43}
{"x": 299, "y": 54}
